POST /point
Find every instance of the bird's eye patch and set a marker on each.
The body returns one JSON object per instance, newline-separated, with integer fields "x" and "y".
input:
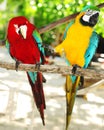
{"x": 89, "y": 12}
{"x": 17, "y": 29}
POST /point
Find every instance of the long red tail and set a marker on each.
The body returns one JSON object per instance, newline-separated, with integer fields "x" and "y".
{"x": 38, "y": 94}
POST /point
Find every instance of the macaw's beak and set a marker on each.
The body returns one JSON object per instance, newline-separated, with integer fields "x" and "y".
{"x": 94, "y": 18}
{"x": 23, "y": 31}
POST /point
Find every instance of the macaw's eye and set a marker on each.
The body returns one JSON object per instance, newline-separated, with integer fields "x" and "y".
{"x": 19, "y": 32}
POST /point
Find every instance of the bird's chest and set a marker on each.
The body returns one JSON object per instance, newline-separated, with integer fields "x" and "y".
{"x": 25, "y": 51}
{"x": 77, "y": 42}
{"x": 79, "y": 36}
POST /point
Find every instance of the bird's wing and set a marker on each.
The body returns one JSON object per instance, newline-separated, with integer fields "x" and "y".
{"x": 91, "y": 49}
{"x": 38, "y": 40}
{"x": 36, "y": 79}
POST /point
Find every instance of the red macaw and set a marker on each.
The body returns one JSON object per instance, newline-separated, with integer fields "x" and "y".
{"x": 25, "y": 45}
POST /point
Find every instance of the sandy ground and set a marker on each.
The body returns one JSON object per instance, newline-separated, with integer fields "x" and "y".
{"x": 17, "y": 109}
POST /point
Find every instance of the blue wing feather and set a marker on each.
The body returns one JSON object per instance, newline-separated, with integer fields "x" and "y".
{"x": 91, "y": 49}
{"x": 38, "y": 39}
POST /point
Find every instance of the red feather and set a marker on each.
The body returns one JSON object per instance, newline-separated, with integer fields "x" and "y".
{"x": 38, "y": 94}
{"x": 27, "y": 51}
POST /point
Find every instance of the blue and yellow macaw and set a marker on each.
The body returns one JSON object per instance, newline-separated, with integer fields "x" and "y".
{"x": 79, "y": 45}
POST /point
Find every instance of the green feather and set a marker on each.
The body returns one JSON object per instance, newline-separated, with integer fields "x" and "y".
{"x": 7, "y": 46}
{"x": 90, "y": 7}
{"x": 38, "y": 39}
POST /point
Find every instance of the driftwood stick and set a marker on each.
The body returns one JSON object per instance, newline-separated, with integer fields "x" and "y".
{"x": 100, "y": 5}
{"x": 62, "y": 21}
{"x": 65, "y": 70}
{"x": 57, "y": 23}
{"x": 90, "y": 88}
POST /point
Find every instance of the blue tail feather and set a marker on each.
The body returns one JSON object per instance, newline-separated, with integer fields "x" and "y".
{"x": 33, "y": 76}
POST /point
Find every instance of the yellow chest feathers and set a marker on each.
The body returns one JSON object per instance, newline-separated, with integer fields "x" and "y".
{"x": 76, "y": 43}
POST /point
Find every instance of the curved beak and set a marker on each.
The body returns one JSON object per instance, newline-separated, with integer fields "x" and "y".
{"x": 23, "y": 31}
{"x": 91, "y": 17}
{"x": 94, "y": 18}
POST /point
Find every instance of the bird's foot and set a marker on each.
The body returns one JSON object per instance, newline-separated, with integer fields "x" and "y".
{"x": 37, "y": 66}
{"x": 49, "y": 49}
{"x": 74, "y": 69}
{"x": 17, "y": 64}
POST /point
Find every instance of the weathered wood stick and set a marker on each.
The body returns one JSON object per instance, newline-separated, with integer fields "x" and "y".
{"x": 65, "y": 70}
{"x": 57, "y": 23}
{"x": 61, "y": 21}
{"x": 90, "y": 88}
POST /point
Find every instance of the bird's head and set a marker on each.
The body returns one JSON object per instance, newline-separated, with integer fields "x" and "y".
{"x": 90, "y": 16}
{"x": 20, "y": 27}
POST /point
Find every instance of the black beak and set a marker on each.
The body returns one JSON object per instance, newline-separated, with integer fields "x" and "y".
{"x": 93, "y": 19}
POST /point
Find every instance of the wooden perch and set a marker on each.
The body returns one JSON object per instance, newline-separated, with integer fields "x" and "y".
{"x": 65, "y": 70}
{"x": 62, "y": 21}
{"x": 57, "y": 23}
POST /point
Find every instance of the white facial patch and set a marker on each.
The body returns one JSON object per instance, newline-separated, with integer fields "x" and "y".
{"x": 16, "y": 28}
{"x": 23, "y": 30}
{"x": 86, "y": 18}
